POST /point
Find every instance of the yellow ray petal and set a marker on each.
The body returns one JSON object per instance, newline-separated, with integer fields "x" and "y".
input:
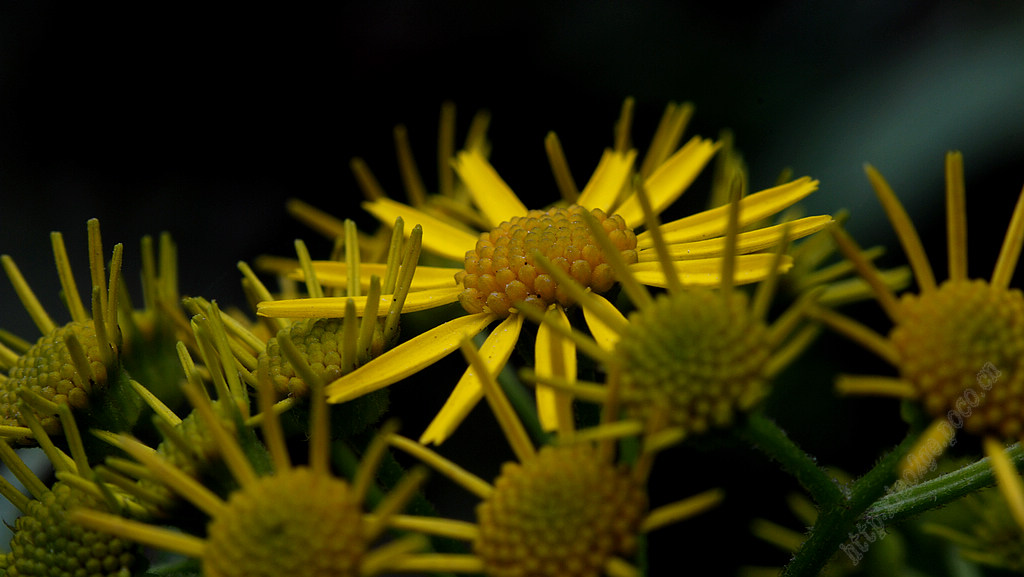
{"x": 753, "y": 208}
{"x": 883, "y": 293}
{"x": 666, "y": 137}
{"x": 555, "y": 357}
{"x": 746, "y": 242}
{"x": 855, "y": 289}
{"x": 407, "y": 358}
{"x": 335, "y": 274}
{"x": 1010, "y": 251}
{"x": 956, "y": 216}
{"x": 609, "y": 177}
{"x": 857, "y": 332}
{"x": 449, "y": 469}
{"x": 560, "y": 167}
{"x": 928, "y": 447}
{"x": 28, "y": 298}
{"x": 707, "y": 272}
{"x": 1007, "y": 479}
{"x": 334, "y": 307}
{"x": 875, "y": 385}
{"x": 684, "y": 509}
{"x": 446, "y": 150}
{"x": 619, "y": 567}
{"x": 492, "y": 196}
{"x": 438, "y": 563}
{"x": 508, "y": 420}
{"x": 439, "y": 237}
{"x": 670, "y": 180}
{"x": 596, "y": 313}
{"x": 139, "y": 532}
{"x": 495, "y": 351}
{"x": 904, "y": 228}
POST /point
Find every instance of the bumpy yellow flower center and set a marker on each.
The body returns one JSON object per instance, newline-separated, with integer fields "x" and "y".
{"x": 48, "y": 369}
{"x": 293, "y": 523}
{"x": 501, "y": 270}
{"x": 45, "y": 543}
{"x": 962, "y": 348}
{"x": 320, "y": 343}
{"x": 562, "y": 514}
{"x": 697, "y": 354}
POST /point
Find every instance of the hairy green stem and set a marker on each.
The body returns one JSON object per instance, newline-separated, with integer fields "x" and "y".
{"x": 914, "y": 499}
{"x": 774, "y": 442}
{"x": 836, "y": 523}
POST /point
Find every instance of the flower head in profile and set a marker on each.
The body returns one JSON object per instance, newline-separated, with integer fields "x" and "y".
{"x": 45, "y": 541}
{"x": 501, "y": 272}
{"x": 561, "y": 510}
{"x": 77, "y": 363}
{"x": 275, "y": 517}
{"x": 958, "y": 345}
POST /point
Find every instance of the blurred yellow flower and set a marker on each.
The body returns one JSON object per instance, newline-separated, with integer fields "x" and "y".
{"x": 958, "y": 345}
{"x": 562, "y": 510}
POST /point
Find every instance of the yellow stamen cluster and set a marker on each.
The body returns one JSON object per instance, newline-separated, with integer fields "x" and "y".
{"x": 951, "y": 341}
{"x": 564, "y": 513}
{"x": 698, "y": 353}
{"x": 46, "y": 543}
{"x": 295, "y": 522}
{"x": 49, "y": 369}
{"x": 501, "y": 270}
{"x": 321, "y": 343}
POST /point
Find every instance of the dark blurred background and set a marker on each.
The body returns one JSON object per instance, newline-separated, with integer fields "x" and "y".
{"x": 202, "y": 121}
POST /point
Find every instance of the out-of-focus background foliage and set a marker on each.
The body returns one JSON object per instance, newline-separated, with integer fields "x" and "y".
{"x": 202, "y": 121}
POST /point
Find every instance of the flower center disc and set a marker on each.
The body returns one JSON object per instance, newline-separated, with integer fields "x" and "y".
{"x": 320, "y": 342}
{"x": 962, "y": 347}
{"x": 501, "y": 270}
{"x": 292, "y": 523}
{"x": 699, "y": 354}
{"x": 46, "y": 542}
{"x": 48, "y": 369}
{"x": 561, "y": 514}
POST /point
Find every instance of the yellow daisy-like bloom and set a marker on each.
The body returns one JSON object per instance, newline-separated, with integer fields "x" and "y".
{"x": 958, "y": 345}
{"x": 71, "y": 364}
{"x": 291, "y": 520}
{"x": 500, "y": 266}
{"x": 330, "y": 346}
{"x": 563, "y": 510}
{"x": 45, "y": 541}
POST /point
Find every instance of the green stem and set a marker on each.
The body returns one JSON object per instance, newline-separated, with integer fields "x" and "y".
{"x": 915, "y": 499}
{"x": 774, "y": 442}
{"x": 836, "y": 523}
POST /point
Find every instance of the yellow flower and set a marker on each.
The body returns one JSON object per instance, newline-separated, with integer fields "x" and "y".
{"x": 958, "y": 345}
{"x": 45, "y": 541}
{"x": 499, "y": 267}
{"x": 280, "y": 518}
{"x": 72, "y": 364}
{"x": 699, "y": 356}
{"x": 561, "y": 510}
